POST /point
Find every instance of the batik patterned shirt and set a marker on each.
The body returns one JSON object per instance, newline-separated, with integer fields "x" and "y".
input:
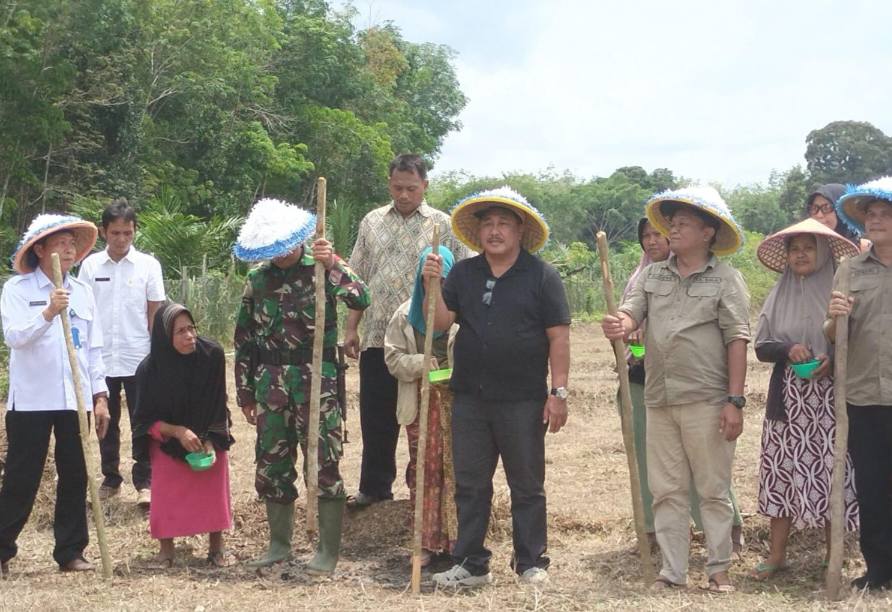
{"x": 386, "y": 254}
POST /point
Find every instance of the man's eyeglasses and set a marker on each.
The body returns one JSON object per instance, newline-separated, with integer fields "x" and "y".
{"x": 487, "y": 295}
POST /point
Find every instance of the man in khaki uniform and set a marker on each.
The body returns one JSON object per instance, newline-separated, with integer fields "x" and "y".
{"x": 869, "y": 370}
{"x": 697, "y": 310}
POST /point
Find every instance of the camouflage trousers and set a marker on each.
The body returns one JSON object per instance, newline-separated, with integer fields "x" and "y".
{"x": 280, "y": 429}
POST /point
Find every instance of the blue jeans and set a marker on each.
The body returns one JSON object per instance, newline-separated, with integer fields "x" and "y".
{"x": 483, "y": 431}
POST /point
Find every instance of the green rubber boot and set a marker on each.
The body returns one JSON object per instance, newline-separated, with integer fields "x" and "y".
{"x": 331, "y": 517}
{"x": 281, "y": 526}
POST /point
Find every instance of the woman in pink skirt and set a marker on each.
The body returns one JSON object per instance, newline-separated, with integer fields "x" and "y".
{"x": 798, "y": 431}
{"x": 181, "y": 409}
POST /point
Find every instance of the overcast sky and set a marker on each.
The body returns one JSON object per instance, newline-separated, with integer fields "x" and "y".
{"x": 720, "y": 90}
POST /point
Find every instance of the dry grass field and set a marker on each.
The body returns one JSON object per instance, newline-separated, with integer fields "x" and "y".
{"x": 591, "y": 537}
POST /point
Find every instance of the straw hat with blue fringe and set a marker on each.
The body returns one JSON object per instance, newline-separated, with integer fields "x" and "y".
{"x": 273, "y": 228}
{"x": 729, "y": 237}
{"x": 466, "y": 218}
{"x": 852, "y": 206}
{"x": 24, "y": 259}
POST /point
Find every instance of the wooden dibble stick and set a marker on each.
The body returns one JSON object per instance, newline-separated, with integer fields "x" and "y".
{"x": 84, "y": 426}
{"x": 316, "y": 376}
{"x": 622, "y": 369}
{"x": 840, "y": 446}
{"x": 433, "y": 295}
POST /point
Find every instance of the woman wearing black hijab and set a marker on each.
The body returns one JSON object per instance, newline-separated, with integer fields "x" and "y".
{"x": 821, "y": 206}
{"x": 181, "y": 409}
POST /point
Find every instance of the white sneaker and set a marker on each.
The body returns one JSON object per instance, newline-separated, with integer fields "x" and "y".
{"x": 458, "y": 576}
{"x": 534, "y": 575}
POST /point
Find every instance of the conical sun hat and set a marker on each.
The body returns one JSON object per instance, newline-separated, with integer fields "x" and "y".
{"x": 729, "y": 237}
{"x": 273, "y": 228}
{"x": 24, "y": 260}
{"x": 466, "y": 224}
{"x": 772, "y": 251}
{"x": 852, "y": 206}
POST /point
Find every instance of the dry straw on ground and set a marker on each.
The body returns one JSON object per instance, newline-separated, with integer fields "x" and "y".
{"x": 591, "y": 538}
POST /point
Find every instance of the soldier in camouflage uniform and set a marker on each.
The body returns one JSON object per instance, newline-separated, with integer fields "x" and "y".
{"x": 273, "y": 364}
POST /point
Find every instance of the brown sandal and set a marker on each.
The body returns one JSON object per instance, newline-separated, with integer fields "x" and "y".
{"x": 664, "y": 584}
{"x": 722, "y": 589}
{"x": 220, "y": 559}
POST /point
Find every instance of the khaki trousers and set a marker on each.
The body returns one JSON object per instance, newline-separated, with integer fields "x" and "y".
{"x": 684, "y": 441}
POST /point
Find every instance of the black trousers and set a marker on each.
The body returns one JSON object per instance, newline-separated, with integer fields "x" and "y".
{"x": 380, "y": 431}
{"x": 870, "y": 445}
{"x": 483, "y": 431}
{"x": 29, "y": 440}
{"x": 110, "y": 445}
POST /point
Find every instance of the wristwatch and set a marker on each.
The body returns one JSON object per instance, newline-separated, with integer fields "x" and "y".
{"x": 738, "y": 400}
{"x": 560, "y": 393}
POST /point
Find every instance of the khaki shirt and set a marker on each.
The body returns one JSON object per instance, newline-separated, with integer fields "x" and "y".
{"x": 385, "y": 256}
{"x": 690, "y": 322}
{"x": 869, "y": 373}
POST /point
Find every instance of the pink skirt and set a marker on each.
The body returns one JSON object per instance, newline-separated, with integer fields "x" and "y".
{"x": 186, "y": 502}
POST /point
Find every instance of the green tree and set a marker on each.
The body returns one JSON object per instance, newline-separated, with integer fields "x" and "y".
{"x": 848, "y": 152}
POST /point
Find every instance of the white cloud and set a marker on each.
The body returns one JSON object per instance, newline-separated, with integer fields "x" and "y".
{"x": 721, "y": 91}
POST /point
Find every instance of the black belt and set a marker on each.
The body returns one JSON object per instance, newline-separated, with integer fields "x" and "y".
{"x": 298, "y": 356}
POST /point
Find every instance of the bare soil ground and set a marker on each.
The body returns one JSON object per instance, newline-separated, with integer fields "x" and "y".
{"x": 591, "y": 537}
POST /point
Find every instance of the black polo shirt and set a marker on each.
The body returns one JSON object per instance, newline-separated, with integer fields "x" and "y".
{"x": 501, "y": 350}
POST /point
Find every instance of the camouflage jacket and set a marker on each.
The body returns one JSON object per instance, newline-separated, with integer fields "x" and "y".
{"x": 277, "y": 316}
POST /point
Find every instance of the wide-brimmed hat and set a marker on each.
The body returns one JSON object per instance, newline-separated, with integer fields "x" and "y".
{"x": 273, "y": 228}
{"x": 24, "y": 259}
{"x": 466, "y": 222}
{"x": 729, "y": 237}
{"x": 772, "y": 251}
{"x": 852, "y": 206}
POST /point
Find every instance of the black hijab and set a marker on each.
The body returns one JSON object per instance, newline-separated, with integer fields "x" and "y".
{"x": 187, "y": 390}
{"x": 832, "y": 192}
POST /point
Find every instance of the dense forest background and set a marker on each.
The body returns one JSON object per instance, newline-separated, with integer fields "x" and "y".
{"x": 193, "y": 109}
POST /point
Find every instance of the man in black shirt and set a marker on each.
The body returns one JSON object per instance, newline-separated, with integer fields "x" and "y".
{"x": 514, "y": 323}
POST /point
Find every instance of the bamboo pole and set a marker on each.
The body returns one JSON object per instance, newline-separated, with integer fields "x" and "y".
{"x": 840, "y": 446}
{"x": 433, "y": 295}
{"x": 622, "y": 369}
{"x": 316, "y": 377}
{"x": 98, "y": 518}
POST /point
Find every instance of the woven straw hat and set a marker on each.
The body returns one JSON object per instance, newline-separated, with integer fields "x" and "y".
{"x": 85, "y": 233}
{"x": 466, "y": 224}
{"x": 772, "y": 252}
{"x": 729, "y": 237}
{"x": 852, "y": 206}
{"x": 273, "y": 228}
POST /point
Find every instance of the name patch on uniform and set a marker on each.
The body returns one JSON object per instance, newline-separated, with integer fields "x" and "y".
{"x": 37, "y": 303}
{"x": 716, "y": 280}
{"x": 103, "y": 279}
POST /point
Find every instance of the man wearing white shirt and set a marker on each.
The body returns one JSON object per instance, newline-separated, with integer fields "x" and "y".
{"x": 42, "y": 397}
{"x": 128, "y": 287}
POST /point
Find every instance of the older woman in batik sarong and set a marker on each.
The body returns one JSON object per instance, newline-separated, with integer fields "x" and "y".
{"x": 798, "y": 431}
{"x": 404, "y": 355}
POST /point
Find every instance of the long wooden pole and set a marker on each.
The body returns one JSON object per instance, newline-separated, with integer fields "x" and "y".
{"x": 84, "y": 426}
{"x": 316, "y": 378}
{"x": 433, "y": 295}
{"x": 622, "y": 370}
{"x": 840, "y": 446}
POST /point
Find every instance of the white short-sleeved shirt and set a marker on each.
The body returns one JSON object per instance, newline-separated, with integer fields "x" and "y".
{"x": 39, "y": 371}
{"x": 123, "y": 290}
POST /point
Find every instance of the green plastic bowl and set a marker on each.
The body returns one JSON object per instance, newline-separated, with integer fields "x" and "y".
{"x": 437, "y": 376}
{"x": 637, "y": 350}
{"x": 200, "y": 461}
{"x": 806, "y": 369}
